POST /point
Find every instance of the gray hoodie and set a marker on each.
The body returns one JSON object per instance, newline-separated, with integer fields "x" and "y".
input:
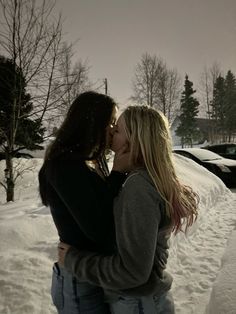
{"x": 142, "y": 236}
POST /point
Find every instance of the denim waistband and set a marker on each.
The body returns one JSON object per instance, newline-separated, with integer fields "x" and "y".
{"x": 69, "y": 277}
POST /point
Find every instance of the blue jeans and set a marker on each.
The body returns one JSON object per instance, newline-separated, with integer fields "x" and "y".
{"x": 163, "y": 304}
{"x": 73, "y": 297}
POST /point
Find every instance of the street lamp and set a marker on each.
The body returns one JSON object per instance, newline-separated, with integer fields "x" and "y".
{"x": 105, "y": 83}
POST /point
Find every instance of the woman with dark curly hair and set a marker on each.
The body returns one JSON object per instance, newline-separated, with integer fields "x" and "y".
{"x": 75, "y": 183}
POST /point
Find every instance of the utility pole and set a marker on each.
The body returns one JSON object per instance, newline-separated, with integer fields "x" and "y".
{"x": 105, "y": 82}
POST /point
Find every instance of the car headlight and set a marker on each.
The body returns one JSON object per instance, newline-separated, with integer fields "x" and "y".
{"x": 223, "y": 168}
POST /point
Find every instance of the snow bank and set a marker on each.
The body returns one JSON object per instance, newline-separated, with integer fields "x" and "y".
{"x": 195, "y": 260}
{"x": 223, "y": 295}
{"x": 28, "y": 246}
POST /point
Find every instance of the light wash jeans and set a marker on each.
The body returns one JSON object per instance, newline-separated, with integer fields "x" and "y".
{"x": 163, "y": 304}
{"x": 73, "y": 297}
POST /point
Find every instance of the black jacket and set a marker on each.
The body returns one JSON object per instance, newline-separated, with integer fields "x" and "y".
{"x": 81, "y": 203}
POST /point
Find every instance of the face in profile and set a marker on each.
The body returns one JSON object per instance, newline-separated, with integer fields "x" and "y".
{"x": 110, "y": 128}
{"x": 119, "y": 140}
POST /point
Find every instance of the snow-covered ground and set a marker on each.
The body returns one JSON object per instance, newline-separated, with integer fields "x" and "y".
{"x": 223, "y": 295}
{"x": 29, "y": 241}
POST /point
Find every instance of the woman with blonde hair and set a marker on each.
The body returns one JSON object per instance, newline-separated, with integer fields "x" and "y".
{"x": 150, "y": 206}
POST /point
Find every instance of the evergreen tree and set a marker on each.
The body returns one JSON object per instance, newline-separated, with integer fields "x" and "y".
{"x": 230, "y": 105}
{"x": 218, "y": 105}
{"x": 187, "y": 128}
{"x": 17, "y": 130}
{"x": 15, "y": 108}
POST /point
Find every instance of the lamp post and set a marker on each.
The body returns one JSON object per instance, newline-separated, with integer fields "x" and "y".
{"x": 105, "y": 83}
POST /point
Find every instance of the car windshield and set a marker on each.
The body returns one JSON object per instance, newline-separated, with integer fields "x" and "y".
{"x": 205, "y": 155}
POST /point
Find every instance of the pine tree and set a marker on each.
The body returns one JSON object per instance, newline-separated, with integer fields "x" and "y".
{"x": 230, "y": 105}
{"x": 15, "y": 102}
{"x": 218, "y": 105}
{"x": 17, "y": 130}
{"x": 187, "y": 128}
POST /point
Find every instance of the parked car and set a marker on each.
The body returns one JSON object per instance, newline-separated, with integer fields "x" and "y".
{"x": 224, "y": 168}
{"x": 227, "y": 150}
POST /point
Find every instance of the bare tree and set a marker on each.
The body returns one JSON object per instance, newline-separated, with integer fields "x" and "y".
{"x": 145, "y": 81}
{"x": 157, "y": 86}
{"x": 168, "y": 91}
{"x": 74, "y": 79}
{"x": 174, "y": 89}
{"x": 207, "y": 82}
{"x": 31, "y": 36}
{"x": 20, "y": 167}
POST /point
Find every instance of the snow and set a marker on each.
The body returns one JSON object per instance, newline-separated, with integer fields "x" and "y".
{"x": 223, "y": 296}
{"x": 203, "y": 264}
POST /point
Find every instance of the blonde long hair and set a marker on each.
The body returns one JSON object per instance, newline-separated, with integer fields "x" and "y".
{"x": 147, "y": 131}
